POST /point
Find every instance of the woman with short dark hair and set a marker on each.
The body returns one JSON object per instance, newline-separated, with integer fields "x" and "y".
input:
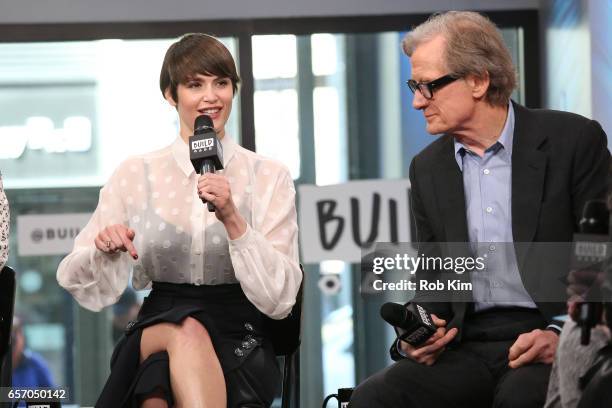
{"x": 199, "y": 338}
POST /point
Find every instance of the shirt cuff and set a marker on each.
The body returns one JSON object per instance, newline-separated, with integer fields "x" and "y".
{"x": 554, "y": 328}
{"x": 398, "y": 347}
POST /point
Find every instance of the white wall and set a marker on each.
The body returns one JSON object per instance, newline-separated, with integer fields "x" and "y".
{"x": 54, "y": 11}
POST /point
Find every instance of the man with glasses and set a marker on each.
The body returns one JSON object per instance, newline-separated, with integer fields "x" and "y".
{"x": 500, "y": 173}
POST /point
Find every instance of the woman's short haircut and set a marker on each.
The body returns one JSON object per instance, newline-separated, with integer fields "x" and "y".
{"x": 474, "y": 46}
{"x": 194, "y": 54}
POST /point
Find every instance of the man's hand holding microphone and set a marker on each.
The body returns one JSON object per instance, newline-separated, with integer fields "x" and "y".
{"x": 422, "y": 336}
{"x": 428, "y": 352}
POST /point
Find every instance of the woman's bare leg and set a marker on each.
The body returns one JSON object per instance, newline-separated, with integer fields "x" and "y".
{"x": 195, "y": 372}
{"x": 156, "y": 400}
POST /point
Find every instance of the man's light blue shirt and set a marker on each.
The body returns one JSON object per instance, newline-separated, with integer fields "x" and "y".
{"x": 487, "y": 182}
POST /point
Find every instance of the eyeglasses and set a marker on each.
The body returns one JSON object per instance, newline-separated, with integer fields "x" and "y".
{"x": 427, "y": 88}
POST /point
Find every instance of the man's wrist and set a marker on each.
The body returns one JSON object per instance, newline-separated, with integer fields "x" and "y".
{"x": 398, "y": 347}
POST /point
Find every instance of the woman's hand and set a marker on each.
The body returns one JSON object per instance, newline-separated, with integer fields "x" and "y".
{"x": 115, "y": 238}
{"x": 215, "y": 189}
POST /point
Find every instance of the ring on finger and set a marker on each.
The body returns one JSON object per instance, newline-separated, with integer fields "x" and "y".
{"x": 108, "y": 244}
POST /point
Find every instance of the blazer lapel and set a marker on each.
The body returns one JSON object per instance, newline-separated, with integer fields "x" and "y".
{"x": 450, "y": 196}
{"x": 448, "y": 187}
{"x": 528, "y": 175}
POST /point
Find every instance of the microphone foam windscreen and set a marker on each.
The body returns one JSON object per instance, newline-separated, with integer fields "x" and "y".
{"x": 203, "y": 121}
{"x": 393, "y": 313}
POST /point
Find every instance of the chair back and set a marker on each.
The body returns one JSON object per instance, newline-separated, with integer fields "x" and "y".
{"x": 285, "y": 334}
{"x": 7, "y": 304}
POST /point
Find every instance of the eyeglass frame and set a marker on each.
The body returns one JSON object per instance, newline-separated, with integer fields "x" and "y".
{"x": 431, "y": 85}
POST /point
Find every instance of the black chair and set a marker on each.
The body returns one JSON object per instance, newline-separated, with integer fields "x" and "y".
{"x": 286, "y": 338}
{"x": 7, "y": 304}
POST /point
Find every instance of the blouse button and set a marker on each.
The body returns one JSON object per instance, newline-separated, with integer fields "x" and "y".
{"x": 238, "y": 352}
{"x": 246, "y": 345}
{"x": 248, "y": 326}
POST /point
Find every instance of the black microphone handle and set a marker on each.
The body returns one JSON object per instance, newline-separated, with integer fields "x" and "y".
{"x": 208, "y": 166}
{"x": 585, "y": 335}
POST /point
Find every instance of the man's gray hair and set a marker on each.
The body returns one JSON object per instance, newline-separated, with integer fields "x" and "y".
{"x": 474, "y": 46}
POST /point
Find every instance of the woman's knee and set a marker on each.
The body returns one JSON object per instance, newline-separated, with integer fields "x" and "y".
{"x": 191, "y": 333}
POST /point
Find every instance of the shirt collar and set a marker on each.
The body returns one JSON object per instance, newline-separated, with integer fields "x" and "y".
{"x": 507, "y": 135}
{"x": 180, "y": 151}
{"x": 505, "y": 138}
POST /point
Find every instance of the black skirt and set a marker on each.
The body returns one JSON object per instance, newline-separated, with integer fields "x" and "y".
{"x": 235, "y": 326}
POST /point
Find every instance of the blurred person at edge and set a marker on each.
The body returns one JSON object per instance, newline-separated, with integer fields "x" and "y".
{"x": 29, "y": 368}
{"x": 198, "y": 339}
{"x": 4, "y": 226}
{"x": 500, "y": 173}
{"x": 125, "y": 310}
{"x": 574, "y": 361}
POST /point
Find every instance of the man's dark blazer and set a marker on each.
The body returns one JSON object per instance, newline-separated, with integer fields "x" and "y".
{"x": 559, "y": 161}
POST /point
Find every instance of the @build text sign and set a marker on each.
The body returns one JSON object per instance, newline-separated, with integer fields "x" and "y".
{"x": 337, "y": 222}
{"x": 49, "y": 234}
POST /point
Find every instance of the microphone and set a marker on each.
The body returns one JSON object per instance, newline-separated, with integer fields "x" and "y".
{"x": 205, "y": 150}
{"x": 590, "y": 253}
{"x": 412, "y": 323}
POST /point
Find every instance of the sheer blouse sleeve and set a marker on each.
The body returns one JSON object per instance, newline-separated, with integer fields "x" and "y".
{"x": 265, "y": 257}
{"x": 4, "y": 226}
{"x": 94, "y": 278}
